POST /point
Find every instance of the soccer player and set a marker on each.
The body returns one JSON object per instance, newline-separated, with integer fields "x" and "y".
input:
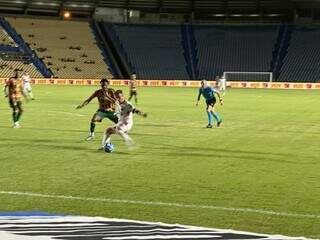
{"x": 106, "y": 99}
{"x": 133, "y": 88}
{"x": 27, "y": 85}
{"x": 126, "y": 110}
{"x": 209, "y": 94}
{"x": 217, "y": 81}
{"x": 222, "y": 85}
{"x": 13, "y": 90}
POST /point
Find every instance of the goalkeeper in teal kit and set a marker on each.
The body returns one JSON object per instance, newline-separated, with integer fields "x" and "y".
{"x": 209, "y": 94}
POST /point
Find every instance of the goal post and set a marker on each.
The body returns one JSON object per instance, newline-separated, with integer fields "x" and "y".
{"x": 248, "y": 76}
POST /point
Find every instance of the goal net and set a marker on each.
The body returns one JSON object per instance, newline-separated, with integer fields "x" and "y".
{"x": 249, "y": 76}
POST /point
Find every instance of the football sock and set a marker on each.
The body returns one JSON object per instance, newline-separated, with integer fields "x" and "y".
{"x": 30, "y": 94}
{"x": 216, "y": 116}
{"x": 126, "y": 138}
{"x": 209, "y": 117}
{"x": 105, "y": 139}
{"x": 14, "y": 117}
{"x": 18, "y": 116}
{"x": 92, "y": 127}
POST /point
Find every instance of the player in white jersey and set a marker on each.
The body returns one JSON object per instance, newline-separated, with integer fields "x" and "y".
{"x": 221, "y": 85}
{"x": 124, "y": 125}
{"x": 27, "y": 85}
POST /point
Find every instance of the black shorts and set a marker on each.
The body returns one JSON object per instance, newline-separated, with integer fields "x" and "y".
{"x": 211, "y": 102}
{"x": 15, "y": 105}
{"x": 133, "y": 93}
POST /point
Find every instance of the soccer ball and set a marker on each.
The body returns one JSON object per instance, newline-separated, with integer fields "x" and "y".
{"x": 109, "y": 148}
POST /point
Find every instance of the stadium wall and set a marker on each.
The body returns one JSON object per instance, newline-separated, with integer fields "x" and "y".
{"x": 175, "y": 83}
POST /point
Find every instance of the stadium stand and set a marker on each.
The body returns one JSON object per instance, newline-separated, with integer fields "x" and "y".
{"x": 153, "y": 51}
{"x": 190, "y": 50}
{"x": 107, "y": 54}
{"x": 302, "y": 62}
{"x": 8, "y": 68}
{"x": 5, "y": 39}
{"x": 25, "y": 53}
{"x": 158, "y": 51}
{"x": 68, "y": 48}
{"x": 234, "y": 48}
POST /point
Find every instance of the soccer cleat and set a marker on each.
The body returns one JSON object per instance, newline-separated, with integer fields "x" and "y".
{"x": 209, "y": 126}
{"x": 16, "y": 125}
{"x": 89, "y": 138}
{"x": 128, "y": 142}
{"x": 219, "y": 123}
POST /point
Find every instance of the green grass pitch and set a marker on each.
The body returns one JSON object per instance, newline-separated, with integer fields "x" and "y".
{"x": 265, "y": 156}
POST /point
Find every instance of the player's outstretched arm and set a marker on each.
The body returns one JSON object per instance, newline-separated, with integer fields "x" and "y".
{"x": 112, "y": 96}
{"x": 140, "y": 113}
{"x": 198, "y": 99}
{"x": 82, "y": 104}
{"x": 86, "y": 102}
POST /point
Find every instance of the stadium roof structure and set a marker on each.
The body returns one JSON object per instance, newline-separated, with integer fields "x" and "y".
{"x": 88, "y": 7}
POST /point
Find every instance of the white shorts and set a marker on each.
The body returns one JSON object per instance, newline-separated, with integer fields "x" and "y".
{"x": 27, "y": 87}
{"x": 123, "y": 127}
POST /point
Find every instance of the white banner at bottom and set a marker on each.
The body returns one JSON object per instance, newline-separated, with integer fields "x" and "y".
{"x": 98, "y": 228}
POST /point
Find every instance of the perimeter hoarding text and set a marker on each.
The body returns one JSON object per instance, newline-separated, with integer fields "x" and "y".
{"x": 175, "y": 83}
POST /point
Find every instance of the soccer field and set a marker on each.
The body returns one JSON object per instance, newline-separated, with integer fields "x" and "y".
{"x": 259, "y": 172}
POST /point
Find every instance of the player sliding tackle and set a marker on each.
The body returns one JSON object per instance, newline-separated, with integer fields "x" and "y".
{"x": 106, "y": 109}
{"x": 126, "y": 110}
{"x": 209, "y": 94}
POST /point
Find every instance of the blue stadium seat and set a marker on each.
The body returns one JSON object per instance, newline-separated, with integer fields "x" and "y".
{"x": 154, "y": 51}
{"x": 302, "y": 62}
{"x": 234, "y": 48}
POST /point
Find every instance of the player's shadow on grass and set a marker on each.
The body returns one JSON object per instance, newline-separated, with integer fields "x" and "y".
{"x": 50, "y": 129}
{"x": 149, "y": 135}
{"x": 227, "y": 154}
{"x": 59, "y": 130}
{"x": 156, "y": 125}
{"x": 240, "y": 157}
{"x": 49, "y": 146}
{"x": 215, "y": 150}
{"x": 24, "y": 140}
{"x": 39, "y": 143}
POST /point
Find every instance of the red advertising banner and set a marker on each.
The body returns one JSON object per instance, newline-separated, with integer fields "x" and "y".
{"x": 175, "y": 83}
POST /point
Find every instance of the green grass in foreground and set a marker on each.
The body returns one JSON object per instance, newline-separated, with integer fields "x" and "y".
{"x": 265, "y": 156}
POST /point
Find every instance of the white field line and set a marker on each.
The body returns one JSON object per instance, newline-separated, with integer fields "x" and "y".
{"x": 166, "y": 204}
